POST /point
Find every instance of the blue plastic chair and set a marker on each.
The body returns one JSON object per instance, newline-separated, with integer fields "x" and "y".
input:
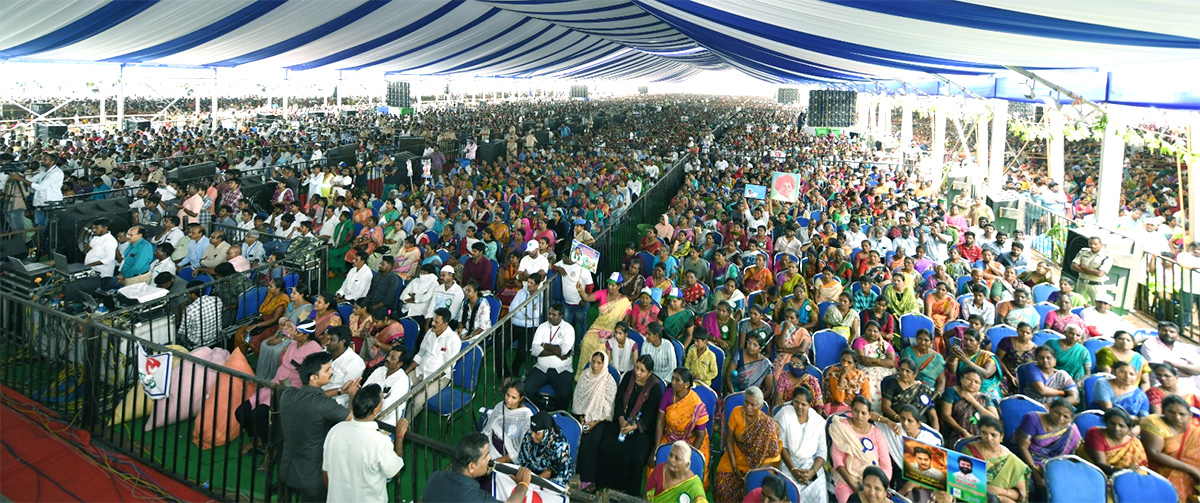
{"x": 962, "y": 280}
{"x": 444, "y": 255}
{"x": 678, "y": 350}
{"x": 493, "y": 307}
{"x": 664, "y": 451}
{"x": 951, "y": 325}
{"x": 1141, "y": 486}
{"x": 935, "y": 433}
{"x": 1043, "y": 309}
{"x": 1095, "y": 345}
{"x": 962, "y": 442}
{"x": 999, "y": 333}
{"x": 291, "y": 280}
{"x": 612, "y": 371}
{"x": 755, "y": 477}
{"x": 452, "y": 399}
{"x": 647, "y": 260}
{"x": 709, "y": 397}
{"x": 495, "y": 274}
{"x": 249, "y": 301}
{"x": 828, "y": 346}
{"x": 815, "y": 371}
{"x": 187, "y": 274}
{"x": 821, "y": 312}
{"x": 411, "y": 332}
{"x": 911, "y": 323}
{"x": 718, "y": 383}
{"x": 1077, "y": 311}
{"x": 1085, "y": 420}
{"x": 1041, "y": 337}
{"x": 571, "y": 431}
{"x": 1013, "y": 408}
{"x": 345, "y": 309}
{"x": 636, "y": 337}
{"x": 1089, "y": 382}
{"x": 1070, "y": 479}
{"x": 751, "y": 298}
{"x": 1043, "y": 291}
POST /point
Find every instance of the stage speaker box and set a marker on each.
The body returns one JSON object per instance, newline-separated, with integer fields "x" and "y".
{"x": 398, "y": 95}
{"x": 51, "y": 131}
{"x": 134, "y": 125}
{"x": 184, "y": 174}
{"x": 75, "y": 223}
{"x": 344, "y": 153}
{"x": 259, "y": 194}
{"x": 579, "y": 91}
{"x": 411, "y": 144}
{"x": 788, "y": 95}
{"x": 490, "y": 151}
{"x": 400, "y": 179}
{"x": 543, "y": 137}
{"x": 41, "y": 108}
{"x": 832, "y": 109}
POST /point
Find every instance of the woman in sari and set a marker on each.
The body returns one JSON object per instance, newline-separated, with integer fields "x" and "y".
{"x": 877, "y": 358}
{"x": 387, "y": 333}
{"x": 340, "y": 243}
{"x": 722, "y": 326}
{"x": 628, "y": 444}
{"x": 792, "y": 280}
{"x": 593, "y": 403}
{"x": 1121, "y": 390}
{"x": 843, "y": 318}
{"x": 408, "y": 259}
{"x": 1044, "y": 383}
{"x": 828, "y": 287}
{"x": 843, "y": 382}
{"x": 802, "y": 433}
{"x": 676, "y": 320}
{"x": 271, "y": 351}
{"x": 510, "y": 280}
{"x": 614, "y": 307}
{"x": 682, "y": 416}
{"x": 751, "y": 441}
{"x": 941, "y": 307}
{"x": 758, "y": 276}
{"x": 1044, "y": 435}
{"x": 751, "y": 368}
{"x": 673, "y": 481}
{"x": 940, "y": 276}
{"x": 1014, "y": 352}
{"x": 324, "y": 315}
{"x": 1071, "y": 355}
{"x": 1058, "y": 319}
{"x": 806, "y": 310}
{"x": 900, "y": 297}
{"x": 368, "y": 239}
{"x": 1168, "y": 381}
{"x": 1006, "y": 473}
{"x": 1123, "y": 350}
{"x": 930, "y": 364}
{"x": 1172, "y": 441}
{"x": 906, "y": 389}
{"x": 360, "y": 323}
{"x": 254, "y": 413}
{"x": 790, "y": 338}
{"x": 755, "y": 326}
{"x": 507, "y": 423}
{"x": 658, "y": 278}
{"x": 394, "y": 235}
{"x": 792, "y": 374}
{"x": 857, "y": 444}
{"x": 642, "y": 312}
{"x": 1113, "y": 446}
{"x": 969, "y": 356}
{"x": 962, "y": 406}
{"x": 250, "y": 337}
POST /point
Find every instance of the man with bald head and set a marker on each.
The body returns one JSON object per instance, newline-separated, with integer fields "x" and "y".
{"x": 234, "y": 256}
{"x": 136, "y": 259}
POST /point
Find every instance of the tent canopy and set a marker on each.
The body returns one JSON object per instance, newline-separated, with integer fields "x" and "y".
{"x": 784, "y": 41}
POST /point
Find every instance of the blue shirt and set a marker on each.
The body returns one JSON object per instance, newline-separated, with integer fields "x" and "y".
{"x": 195, "y": 253}
{"x": 138, "y": 257}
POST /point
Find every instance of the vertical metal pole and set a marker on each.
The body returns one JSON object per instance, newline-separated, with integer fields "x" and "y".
{"x": 999, "y": 134}
{"x": 121, "y": 96}
{"x": 939, "y": 134}
{"x": 1112, "y": 161}
{"x": 1192, "y": 201}
{"x": 1054, "y": 145}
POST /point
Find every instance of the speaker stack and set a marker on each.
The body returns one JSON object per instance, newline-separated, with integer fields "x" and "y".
{"x": 832, "y": 109}
{"x": 135, "y": 125}
{"x": 185, "y": 174}
{"x": 50, "y": 131}
{"x": 344, "y": 153}
{"x": 398, "y": 95}
{"x": 788, "y": 95}
{"x": 412, "y": 144}
{"x": 490, "y": 151}
{"x": 579, "y": 91}
{"x": 75, "y": 223}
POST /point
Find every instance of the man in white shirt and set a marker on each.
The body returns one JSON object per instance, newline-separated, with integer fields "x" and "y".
{"x": 358, "y": 460}
{"x": 101, "y": 250}
{"x": 448, "y": 295}
{"x": 1167, "y": 348}
{"x": 395, "y": 383}
{"x": 533, "y": 261}
{"x": 1099, "y": 320}
{"x": 47, "y": 189}
{"x": 417, "y": 294}
{"x": 347, "y": 364}
{"x": 854, "y": 235}
{"x": 439, "y": 347}
{"x": 789, "y": 243}
{"x": 574, "y": 275}
{"x": 552, "y": 345}
{"x": 906, "y": 241}
{"x": 171, "y": 232}
{"x": 358, "y": 280}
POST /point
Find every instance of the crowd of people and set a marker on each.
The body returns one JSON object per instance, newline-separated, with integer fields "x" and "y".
{"x": 807, "y": 333}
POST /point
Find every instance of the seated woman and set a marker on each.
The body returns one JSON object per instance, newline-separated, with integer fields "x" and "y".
{"x": 1044, "y": 383}
{"x": 828, "y": 287}
{"x": 793, "y": 374}
{"x": 873, "y": 487}
{"x": 802, "y": 433}
{"x": 806, "y": 309}
{"x": 621, "y": 350}
{"x": 843, "y": 382}
{"x": 1121, "y": 390}
{"x": 545, "y": 451}
{"x": 592, "y": 402}
{"x": 1014, "y": 352}
{"x": 758, "y": 276}
{"x": 842, "y": 318}
{"x": 1072, "y": 356}
{"x": 1124, "y": 349}
{"x": 642, "y": 312}
{"x": 636, "y": 414}
{"x": 970, "y": 355}
{"x": 1044, "y": 435}
{"x": 676, "y": 320}
{"x": 388, "y": 333}
{"x": 673, "y": 481}
{"x": 270, "y": 353}
{"x": 682, "y": 416}
{"x": 941, "y": 306}
{"x": 722, "y": 326}
{"x": 250, "y": 337}
{"x": 900, "y": 297}
{"x": 906, "y": 389}
{"x": 756, "y": 325}
{"x": 910, "y": 424}
{"x": 360, "y": 323}
{"x": 1006, "y": 473}
{"x": 791, "y": 337}
{"x": 1168, "y": 379}
{"x": 1114, "y": 446}
{"x": 508, "y": 423}
{"x": 962, "y": 406}
{"x": 877, "y": 358}
{"x": 750, "y": 368}
{"x": 752, "y": 442}
{"x": 930, "y": 364}
{"x": 1058, "y": 319}
{"x": 1172, "y": 442}
{"x": 857, "y": 445}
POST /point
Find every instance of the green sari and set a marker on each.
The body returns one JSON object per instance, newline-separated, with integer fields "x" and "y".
{"x": 991, "y": 385}
{"x": 902, "y": 304}
{"x": 692, "y": 487}
{"x": 341, "y": 236}
{"x": 1071, "y": 360}
{"x": 676, "y": 323}
{"x": 1006, "y": 470}
{"x": 929, "y": 367}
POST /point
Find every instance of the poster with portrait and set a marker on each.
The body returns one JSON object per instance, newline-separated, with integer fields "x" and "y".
{"x": 755, "y": 191}
{"x": 937, "y": 468}
{"x": 586, "y": 256}
{"x": 785, "y": 187}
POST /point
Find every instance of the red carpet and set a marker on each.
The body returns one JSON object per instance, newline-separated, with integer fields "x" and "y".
{"x": 44, "y": 459}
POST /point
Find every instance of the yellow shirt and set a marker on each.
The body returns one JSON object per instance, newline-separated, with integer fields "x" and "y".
{"x": 703, "y": 367}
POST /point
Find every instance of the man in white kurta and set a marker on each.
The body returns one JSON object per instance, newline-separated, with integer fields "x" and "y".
{"x": 358, "y": 459}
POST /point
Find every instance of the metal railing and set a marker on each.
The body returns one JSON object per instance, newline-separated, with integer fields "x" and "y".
{"x": 1047, "y": 230}
{"x": 1168, "y": 291}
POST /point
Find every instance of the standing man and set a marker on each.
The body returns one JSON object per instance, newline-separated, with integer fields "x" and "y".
{"x": 358, "y": 459}
{"x": 574, "y": 276}
{"x": 305, "y": 415}
{"x": 47, "y": 189}
{"x": 101, "y": 250}
{"x": 553, "y": 342}
{"x": 1092, "y": 265}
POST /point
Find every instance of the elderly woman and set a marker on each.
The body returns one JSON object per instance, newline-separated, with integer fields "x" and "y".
{"x": 1123, "y": 349}
{"x": 751, "y": 441}
{"x": 1044, "y": 435}
{"x": 682, "y": 415}
{"x": 877, "y": 358}
{"x": 1006, "y": 473}
{"x": 593, "y": 403}
{"x": 1172, "y": 442}
{"x": 614, "y": 307}
{"x": 1072, "y": 356}
{"x": 802, "y": 433}
{"x": 842, "y": 318}
{"x": 1114, "y": 446}
{"x": 1058, "y": 319}
{"x": 1168, "y": 382}
{"x": 673, "y": 481}
{"x": 643, "y": 311}
{"x": 968, "y": 355}
{"x": 628, "y": 441}
{"x": 1044, "y": 383}
{"x": 1121, "y": 390}
{"x": 857, "y": 445}
{"x": 961, "y": 407}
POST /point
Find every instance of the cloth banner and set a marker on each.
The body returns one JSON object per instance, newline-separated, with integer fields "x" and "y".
{"x": 785, "y": 187}
{"x": 503, "y": 485}
{"x": 586, "y": 256}
{"x": 155, "y": 373}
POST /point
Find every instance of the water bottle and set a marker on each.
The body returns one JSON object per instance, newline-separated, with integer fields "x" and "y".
{"x": 621, "y": 436}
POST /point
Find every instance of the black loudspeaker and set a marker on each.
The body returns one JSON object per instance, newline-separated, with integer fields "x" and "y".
{"x": 878, "y": 145}
{"x": 75, "y": 223}
{"x": 344, "y": 153}
{"x": 412, "y": 144}
{"x": 579, "y": 91}
{"x": 49, "y": 131}
{"x": 403, "y": 159}
{"x": 41, "y": 108}
{"x": 490, "y": 151}
{"x": 184, "y": 174}
{"x": 260, "y": 195}
{"x": 832, "y": 109}
{"x": 543, "y": 137}
{"x": 788, "y": 95}
{"x": 398, "y": 95}
{"x": 134, "y": 125}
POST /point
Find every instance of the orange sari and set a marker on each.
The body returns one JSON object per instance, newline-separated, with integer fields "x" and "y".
{"x": 1184, "y": 447}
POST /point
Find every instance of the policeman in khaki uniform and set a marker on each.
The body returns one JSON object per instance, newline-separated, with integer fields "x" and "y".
{"x": 1092, "y": 264}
